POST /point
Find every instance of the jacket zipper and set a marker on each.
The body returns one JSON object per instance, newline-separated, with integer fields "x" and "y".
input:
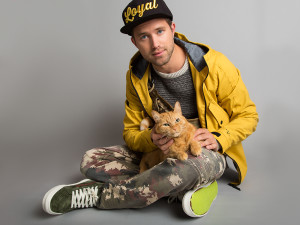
{"x": 204, "y": 98}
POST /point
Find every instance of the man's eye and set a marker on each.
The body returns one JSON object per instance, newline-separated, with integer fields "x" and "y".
{"x": 166, "y": 124}
{"x": 160, "y": 31}
{"x": 143, "y": 37}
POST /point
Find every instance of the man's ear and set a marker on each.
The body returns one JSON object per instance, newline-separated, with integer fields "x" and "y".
{"x": 173, "y": 28}
{"x": 133, "y": 41}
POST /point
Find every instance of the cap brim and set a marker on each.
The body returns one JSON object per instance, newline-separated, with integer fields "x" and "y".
{"x": 127, "y": 29}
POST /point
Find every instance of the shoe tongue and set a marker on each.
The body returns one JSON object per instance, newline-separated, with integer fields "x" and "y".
{"x": 86, "y": 184}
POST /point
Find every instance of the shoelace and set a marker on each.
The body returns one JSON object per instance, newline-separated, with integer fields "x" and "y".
{"x": 83, "y": 198}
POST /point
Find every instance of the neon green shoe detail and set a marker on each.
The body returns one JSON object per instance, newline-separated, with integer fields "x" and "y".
{"x": 196, "y": 203}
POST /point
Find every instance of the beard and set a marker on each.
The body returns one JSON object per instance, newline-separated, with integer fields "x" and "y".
{"x": 163, "y": 60}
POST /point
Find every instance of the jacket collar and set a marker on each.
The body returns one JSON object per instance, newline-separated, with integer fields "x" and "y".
{"x": 195, "y": 52}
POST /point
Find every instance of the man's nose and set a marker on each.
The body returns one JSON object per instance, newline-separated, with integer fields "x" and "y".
{"x": 154, "y": 42}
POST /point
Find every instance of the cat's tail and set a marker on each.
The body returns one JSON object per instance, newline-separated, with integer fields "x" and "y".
{"x": 145, "y": 123}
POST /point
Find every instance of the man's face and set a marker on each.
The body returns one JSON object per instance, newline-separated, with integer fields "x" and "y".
{"x": 155, "y": 41}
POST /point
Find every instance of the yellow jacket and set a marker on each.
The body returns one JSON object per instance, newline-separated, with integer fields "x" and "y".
{"x": 223, "y": 103}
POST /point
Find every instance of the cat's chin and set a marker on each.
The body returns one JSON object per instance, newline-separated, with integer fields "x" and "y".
{"x": 175, "y": 135}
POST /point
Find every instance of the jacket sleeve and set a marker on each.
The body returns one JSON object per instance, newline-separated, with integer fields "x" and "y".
{"x": 233, "y": 98}
{"x": 134, "y": 113}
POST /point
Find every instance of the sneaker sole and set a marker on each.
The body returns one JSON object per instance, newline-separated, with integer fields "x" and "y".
{"x": 186, "y": 201}
{"x": 49, "y": 195}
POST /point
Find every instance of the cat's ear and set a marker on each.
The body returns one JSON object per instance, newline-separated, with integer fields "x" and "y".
{"x": 155, "y": 116}
{"x": 177, "y": 108}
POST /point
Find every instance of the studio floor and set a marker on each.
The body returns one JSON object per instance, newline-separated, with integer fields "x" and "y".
{"x": 40, "y": 167}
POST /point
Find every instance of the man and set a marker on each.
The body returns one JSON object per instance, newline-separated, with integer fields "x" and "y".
{"x": 167, "y": 68}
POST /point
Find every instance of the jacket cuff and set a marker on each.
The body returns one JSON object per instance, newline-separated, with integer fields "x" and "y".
{"x": 222, "y": 141}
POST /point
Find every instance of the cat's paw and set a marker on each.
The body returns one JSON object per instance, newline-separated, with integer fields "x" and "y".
{"x": 196, "y": 152}
{"x": 182, "y": 156}
{"x": 196, "y": 148}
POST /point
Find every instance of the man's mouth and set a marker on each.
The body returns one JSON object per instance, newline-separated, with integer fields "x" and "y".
{"x": 158, "y": 53}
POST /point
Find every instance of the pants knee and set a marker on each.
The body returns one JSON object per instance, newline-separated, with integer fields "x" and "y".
{"x": 182, "y": 175}
{"x": 87, "y": 159}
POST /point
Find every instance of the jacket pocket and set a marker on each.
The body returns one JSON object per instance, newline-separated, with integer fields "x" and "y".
{"x": 219, "y": 114}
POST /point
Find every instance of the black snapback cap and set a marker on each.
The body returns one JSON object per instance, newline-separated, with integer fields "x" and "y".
{"x": 140, "y": 11}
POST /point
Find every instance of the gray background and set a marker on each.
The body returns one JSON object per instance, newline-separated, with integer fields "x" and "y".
{"x": 62, "y": 87}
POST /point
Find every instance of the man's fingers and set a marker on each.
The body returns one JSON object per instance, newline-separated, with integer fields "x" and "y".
{"x": 201, "y": 131}
{"x": 163, "y": 141}
{"x": 206, "y": 138}
{"x": 211, "y": 146}
{"x": 165, "y": 147}
{"x": 156, "y": 136}
{"x": 202, "y": 137}
{"x": 201, "y": 134}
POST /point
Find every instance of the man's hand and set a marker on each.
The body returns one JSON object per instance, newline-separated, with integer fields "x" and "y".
{"x": 207, "y": 139}
{"x": 163, "y": 143}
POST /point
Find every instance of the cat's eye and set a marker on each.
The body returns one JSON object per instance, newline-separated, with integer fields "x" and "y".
{"x": 166, "y": 124}
{"x": 177, "y": 120}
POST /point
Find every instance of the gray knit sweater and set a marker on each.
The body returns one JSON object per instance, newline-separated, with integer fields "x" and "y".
{"x": 177, "y": 86}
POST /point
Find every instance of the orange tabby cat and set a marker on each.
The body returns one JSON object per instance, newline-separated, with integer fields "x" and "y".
{"x": 174, "y": 125}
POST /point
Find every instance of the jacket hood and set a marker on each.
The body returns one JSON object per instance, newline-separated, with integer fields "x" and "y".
{"x": 195, "y": 52}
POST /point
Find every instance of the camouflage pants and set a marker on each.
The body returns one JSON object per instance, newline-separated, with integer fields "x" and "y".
{"x": 117, "y": 167}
